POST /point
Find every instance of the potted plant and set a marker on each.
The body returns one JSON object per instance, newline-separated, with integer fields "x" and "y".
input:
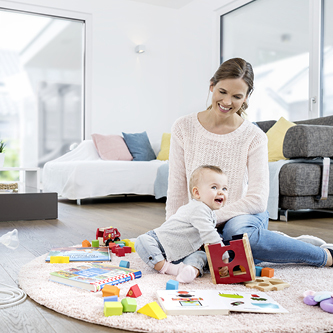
{"x": 2, "y": 153}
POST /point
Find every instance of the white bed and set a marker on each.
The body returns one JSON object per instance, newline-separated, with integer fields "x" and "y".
{"x": 81, "y": 174}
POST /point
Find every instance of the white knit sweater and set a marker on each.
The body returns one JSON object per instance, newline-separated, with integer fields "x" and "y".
{"x": 241, "y": 154}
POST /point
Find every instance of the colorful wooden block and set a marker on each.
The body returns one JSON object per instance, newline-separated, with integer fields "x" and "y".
{"x": 95, "y": 243}
{"x": 114, "y": 248}
{"x": 120, "y": 243}
{"x": 109, "y": 290}
{"x": 266, "y": 271}
{"x": 113, "y": 309}
{"x": 86, "y": 243}
{"x": 153, "y": 310}
{"x": 258, "y": 270}
{"x": 129, "y": 304}
{"x": 127, "y": 249}
{"x": 126, "y": 241}
{"x": 131, "y": 244}
{"x": 267, "y": 284}
{"x": 120, "y": 252}
{"x": 124, "y": 263}
{"x": 134, "y": 291}
{"x": 172, "y": 285}
{"x": 243, "y": 258}
{"x": 110, "y": 299}
{"x": 111, "y": 245}
{"x": 59, "y": 259}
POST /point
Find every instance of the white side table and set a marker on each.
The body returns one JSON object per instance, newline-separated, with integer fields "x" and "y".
{"x": 31, "y": 176}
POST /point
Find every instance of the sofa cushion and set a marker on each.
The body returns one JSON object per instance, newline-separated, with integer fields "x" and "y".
{"x": 275, "y": 137}
{"x": 139, "y": 146}
{"x": 111, "y": 147}
{"x": 303, "y": 179}
{"x": 308, "y": 141}
{"x": 163, "y": 155}
{"x": 306, "y": 202}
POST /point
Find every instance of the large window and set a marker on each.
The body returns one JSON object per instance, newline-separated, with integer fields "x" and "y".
{"x": 280, "y": 39}
{"x": 41, "y": 86}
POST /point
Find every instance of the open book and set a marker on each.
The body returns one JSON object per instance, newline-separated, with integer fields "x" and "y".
{"x": 215, "y": 302}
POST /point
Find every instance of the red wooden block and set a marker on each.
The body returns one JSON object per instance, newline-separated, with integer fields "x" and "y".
{"x": 266, "y": 271}
{"x": 114, "y": 248}
{"x": 120, "y": 252}
{"x": 127, "y": 249}
{"x": 243, "y": 259}
{"x": 134, "y": 291}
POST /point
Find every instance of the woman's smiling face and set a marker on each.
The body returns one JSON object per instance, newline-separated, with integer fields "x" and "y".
{"x": 228, "y": 96}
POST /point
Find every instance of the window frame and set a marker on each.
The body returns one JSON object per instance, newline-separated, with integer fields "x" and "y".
{"x": 315, "y": 102}
{"x": 87, "y": 51}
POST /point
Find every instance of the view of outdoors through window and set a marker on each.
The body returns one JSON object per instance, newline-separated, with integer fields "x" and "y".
{"x": 41, "y": 84}
{"x": 275, "y": 38}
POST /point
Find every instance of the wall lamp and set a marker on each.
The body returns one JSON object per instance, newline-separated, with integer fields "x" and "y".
{"x": 140, "y": 49}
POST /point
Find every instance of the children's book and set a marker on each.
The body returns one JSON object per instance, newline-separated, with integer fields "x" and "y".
{"x": 215, "y": 302}
{"x": 82, "y": 253}
{"x": 93, "y": 276}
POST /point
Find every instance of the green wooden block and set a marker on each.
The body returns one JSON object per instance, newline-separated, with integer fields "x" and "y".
{"x": 113, "y": 309}
{"x": 95, "y": 243}
{"x": 129, "y": 304}
{"x": 123, "y": 243}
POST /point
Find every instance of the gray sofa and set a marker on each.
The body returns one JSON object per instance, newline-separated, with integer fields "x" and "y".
{"x": 300, "y": 183}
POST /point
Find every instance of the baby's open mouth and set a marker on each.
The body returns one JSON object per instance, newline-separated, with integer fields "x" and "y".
{"x": 220, "y": 200}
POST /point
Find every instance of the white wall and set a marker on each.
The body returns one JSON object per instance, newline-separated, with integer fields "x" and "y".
{"x": 135, "y": 92}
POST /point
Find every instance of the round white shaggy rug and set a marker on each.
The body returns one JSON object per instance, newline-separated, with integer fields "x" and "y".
{"x": 88, "y": 306}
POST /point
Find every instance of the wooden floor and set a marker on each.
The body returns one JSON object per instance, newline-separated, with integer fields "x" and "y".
{"x": 132, "y": 215}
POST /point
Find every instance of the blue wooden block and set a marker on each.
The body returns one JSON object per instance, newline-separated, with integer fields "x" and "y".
{"x": 110, "y": 299}
{"x": 172, "y": 285}
{"x": 258, "y": 270}
{"x": 124, "y": 263}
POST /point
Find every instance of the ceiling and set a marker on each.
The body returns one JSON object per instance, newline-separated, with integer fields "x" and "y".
{"x": 176, "y": 4}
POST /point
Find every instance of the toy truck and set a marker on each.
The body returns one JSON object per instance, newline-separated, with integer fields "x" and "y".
{"x": 107, "y": 235}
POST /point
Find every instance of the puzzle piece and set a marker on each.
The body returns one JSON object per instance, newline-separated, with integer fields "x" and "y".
{"x": 267, "y": 284}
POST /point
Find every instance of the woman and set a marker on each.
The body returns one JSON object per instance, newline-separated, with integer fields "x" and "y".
{"x": 221, "y": 136}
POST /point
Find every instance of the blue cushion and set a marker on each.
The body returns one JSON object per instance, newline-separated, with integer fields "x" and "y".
{"x": 139, "y": 146}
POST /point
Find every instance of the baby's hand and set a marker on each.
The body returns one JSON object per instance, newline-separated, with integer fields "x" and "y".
{"x": 224, "y": 271}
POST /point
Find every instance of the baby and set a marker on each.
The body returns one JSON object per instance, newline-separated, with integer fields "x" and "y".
{"x": 174, "y": 247}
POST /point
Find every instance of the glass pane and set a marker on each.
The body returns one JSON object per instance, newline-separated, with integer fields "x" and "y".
{"x": 41, "y": 86}
{"x": 274, "y": 37}
{"x": 328, "y": 60}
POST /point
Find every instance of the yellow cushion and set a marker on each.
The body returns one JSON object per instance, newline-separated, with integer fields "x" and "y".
{"x": 276, "y": 136}
{"x": 163, "y": 155}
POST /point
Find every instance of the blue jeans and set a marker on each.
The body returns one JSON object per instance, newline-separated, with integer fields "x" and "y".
{"x": 270, "y": 246}
{"x": 151, "y": 252}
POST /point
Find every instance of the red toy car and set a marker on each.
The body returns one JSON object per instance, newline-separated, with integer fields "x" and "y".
{"x": 109, "y": 234}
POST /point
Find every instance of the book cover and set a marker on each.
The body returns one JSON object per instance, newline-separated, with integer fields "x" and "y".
{"x": 93, "y": 276}
{"x": 82, "y": 253}
{"x": 215, "y": 302}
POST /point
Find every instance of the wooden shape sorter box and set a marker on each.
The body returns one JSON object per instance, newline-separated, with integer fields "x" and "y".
{"x": 241, "y": 268}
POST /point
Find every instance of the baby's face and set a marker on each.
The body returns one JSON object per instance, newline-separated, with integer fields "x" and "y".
{"x": 212, "y": 189}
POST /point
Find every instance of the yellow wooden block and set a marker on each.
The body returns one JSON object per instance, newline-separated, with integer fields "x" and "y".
{"x": 153, "y": 310}
{"x": 127, "y": 241}
{"x": 131, "y": 244}
{"x": 59, "y": 260}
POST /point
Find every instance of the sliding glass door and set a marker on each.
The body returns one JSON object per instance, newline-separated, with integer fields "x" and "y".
{"x": 41, "y": 86}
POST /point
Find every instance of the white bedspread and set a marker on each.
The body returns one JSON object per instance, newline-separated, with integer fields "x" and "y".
{"x": 81, "y": 174}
